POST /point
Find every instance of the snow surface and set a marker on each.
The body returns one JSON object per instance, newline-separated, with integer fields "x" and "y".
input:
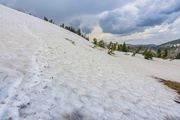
{"x": 48, "y": 73}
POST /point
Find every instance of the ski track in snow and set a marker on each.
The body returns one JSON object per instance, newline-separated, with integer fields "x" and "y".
{"x": 48, "y": 73}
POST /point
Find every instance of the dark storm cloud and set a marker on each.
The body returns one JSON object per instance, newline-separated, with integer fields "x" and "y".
{"x": 175, "y": 8}
{"x": 140, "y": 15}
{"x": 63, "y": 9}
{"x": 122, "y": 17}
{"x": 151, "y": 21}
{"x": 117, "y": 24}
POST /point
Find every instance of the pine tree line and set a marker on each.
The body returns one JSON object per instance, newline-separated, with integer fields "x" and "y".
{"x": 70, "y": 28}
{"x": 148, "y": 53}
{"x": 111, "y": 46}
{"x": 76, "y": 31}
{"x": 48, "y": 20}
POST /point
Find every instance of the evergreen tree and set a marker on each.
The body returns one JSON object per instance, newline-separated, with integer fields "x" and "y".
{"x": 66, "y": 27}
{"x": 101, "y": 44}
{"x": 165, "y": 53}
{"x": 62, "y": 25}
{"x": 114, "y": 46}
{"x": 79, "y": 32}
{"x": 178, "y": 56}
{"x": 51, "y": 21}
{"x": 109, "y": 46}
{"x": 124, "y": 48}
{"x": 146, "y": 50}
{"x": 74, "y": 31}
{"x": 159, "y": 53}
{"x": 45, "y": 18}
{"x": 148, "y": 55}
{"x": 95, "y": 41}
{"x": 119, "y": 47}
{"x": 110, "y": 51}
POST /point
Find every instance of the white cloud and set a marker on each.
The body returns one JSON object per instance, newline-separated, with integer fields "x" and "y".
{"x": 143, "y": 21}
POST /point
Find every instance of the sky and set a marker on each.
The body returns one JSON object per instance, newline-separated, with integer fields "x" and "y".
{"x": 131, "y": 21}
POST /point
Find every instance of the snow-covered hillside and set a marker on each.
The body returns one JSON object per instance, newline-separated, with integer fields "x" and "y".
{"x": 48, "y": 73}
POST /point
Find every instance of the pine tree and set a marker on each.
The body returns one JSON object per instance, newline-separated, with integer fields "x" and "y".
{"x": 159, "y": 53}
{"x": 51, "y": 21}
{"x": 178, "y": 56}
{"x": 95, "y": 41}
{"x": 79, "y": 32}
{"x": 124, "y": 48}
{"x": 45, "y": 18}
{"x": 119, "y": 47}
{"x": 146, "y": 50}
{"x": 110, "y": 51}
{"x": 101, "y": 44}
{"x": 148, "y": 55}
{"x": 114, "y": 46}
{"x": 109, "y": 46}
{"x": 165, "y": 53}
{"x": 62, "y": 25}
{"x": 67, "y": 28}
{"x": 74, "y": 31}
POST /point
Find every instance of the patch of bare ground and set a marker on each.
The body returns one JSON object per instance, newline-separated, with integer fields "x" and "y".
{"x": 171, "y": 84}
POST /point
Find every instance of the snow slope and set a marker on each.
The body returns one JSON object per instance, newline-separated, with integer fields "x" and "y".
{"x": 48, "y": 73}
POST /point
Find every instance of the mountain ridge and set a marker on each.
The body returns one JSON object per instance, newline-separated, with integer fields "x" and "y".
{"x": 171, "y": 43}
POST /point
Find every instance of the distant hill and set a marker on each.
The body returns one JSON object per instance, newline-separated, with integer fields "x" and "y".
{"x": 174, "y": 43}
{"x": 173, "y": 48}
{"x": 141, "y": 45}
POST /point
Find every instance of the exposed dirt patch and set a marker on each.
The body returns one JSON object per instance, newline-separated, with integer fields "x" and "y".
{"x": 171, "y": 84}
{"x": 70, "y": 41}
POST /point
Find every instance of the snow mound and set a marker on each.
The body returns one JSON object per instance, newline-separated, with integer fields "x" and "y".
{"x": 48, "y": 73}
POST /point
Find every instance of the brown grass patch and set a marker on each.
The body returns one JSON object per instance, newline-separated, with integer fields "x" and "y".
{"x": 171, "y": 84}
